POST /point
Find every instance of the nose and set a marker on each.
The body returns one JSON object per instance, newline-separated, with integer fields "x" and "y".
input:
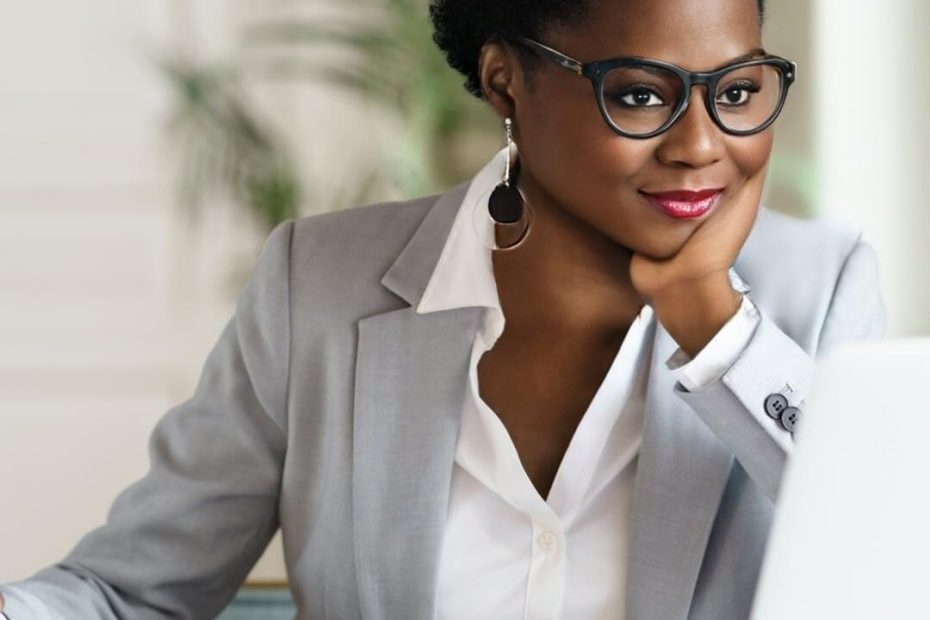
{"x": 694, "y": 140}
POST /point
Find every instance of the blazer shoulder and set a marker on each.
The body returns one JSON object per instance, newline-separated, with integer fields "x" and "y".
{"x": 793, "y": 265}
{"x": 817, "y": 229}
{"x": 782, "y": 245}
{"x": 339, "y": 258}
{"x": 384, "y": 225}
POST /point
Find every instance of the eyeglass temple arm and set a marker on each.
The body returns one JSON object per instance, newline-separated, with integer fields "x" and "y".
{"x": 575, "y": 66}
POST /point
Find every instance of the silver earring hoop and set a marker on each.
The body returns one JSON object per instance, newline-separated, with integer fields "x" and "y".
{"x": 507, "y": 205}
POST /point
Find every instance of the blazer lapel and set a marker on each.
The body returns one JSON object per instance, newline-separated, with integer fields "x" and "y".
{"x": 410, "y": 384}
{"x": 680, "y": 477}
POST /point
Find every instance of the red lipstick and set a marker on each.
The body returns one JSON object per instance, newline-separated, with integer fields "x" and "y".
{"x": 684, "y": 203}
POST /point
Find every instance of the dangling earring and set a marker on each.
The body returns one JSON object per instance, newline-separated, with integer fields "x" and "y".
{"x": 507, "y": 205}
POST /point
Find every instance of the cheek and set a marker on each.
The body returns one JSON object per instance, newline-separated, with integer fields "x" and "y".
{"x": 558, "y": 132}
{"x": 751, "y": 154}
{"x": 565, "y": 139}
{"x": 580, "y": 161}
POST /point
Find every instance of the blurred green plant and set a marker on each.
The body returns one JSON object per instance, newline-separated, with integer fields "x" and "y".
{"x": 226, "y": 148}
{"x": 382, "y": 52}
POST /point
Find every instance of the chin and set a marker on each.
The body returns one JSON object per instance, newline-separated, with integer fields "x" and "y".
{"x": 655, "y": 247}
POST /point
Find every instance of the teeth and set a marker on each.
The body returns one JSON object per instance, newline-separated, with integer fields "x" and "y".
{"x": 689, "y": 206}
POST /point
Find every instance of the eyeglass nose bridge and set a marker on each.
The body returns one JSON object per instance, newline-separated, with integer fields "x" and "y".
{"x": 709, "y": 81}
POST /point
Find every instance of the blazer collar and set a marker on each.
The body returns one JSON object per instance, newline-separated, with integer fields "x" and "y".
{"x": 409, "y": 274}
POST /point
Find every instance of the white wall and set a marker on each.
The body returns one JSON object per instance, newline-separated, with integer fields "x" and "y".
{"x": 872, "y": 79}
{"x": 109, "y": 300}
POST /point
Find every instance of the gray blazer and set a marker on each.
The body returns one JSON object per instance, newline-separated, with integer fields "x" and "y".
{"x": 329, "y": 408}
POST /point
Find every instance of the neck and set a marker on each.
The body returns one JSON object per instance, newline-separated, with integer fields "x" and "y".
{"x": 566, "y": 276}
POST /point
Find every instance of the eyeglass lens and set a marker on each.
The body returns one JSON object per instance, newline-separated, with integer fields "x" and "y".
{"x": 639, "y": 100}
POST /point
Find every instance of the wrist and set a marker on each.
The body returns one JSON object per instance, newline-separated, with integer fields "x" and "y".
{"x": 693, "y": 312}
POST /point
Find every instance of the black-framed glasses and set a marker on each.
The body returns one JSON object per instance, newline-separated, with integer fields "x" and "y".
{"x": 641, "y": 97}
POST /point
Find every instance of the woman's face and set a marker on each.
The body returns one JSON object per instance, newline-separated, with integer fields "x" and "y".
{"x": 571, "y": 158}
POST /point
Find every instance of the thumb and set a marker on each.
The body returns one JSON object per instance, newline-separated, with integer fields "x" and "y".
{"x": 1, "y": 602}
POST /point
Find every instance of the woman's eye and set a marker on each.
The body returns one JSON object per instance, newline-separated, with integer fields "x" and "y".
{"x": 639, "y": 98}
{"x": 737, "y": 94}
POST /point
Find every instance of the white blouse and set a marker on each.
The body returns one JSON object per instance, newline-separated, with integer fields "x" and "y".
{"x": 507, "y": 552}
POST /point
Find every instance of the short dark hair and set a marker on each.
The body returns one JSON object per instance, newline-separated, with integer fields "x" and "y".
{"x": 462, "y": 27}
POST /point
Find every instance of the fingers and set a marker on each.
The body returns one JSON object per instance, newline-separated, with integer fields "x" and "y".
{"x": 730, "y": 226}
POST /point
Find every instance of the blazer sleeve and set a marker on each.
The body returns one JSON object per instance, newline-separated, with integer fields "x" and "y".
{"x": 772, "y": 363}
{"x": 179, "y": 542}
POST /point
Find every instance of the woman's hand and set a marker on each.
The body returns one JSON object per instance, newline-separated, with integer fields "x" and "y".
{"x": 691, "y": 292}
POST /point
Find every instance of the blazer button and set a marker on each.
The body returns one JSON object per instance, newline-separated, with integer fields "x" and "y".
{"x": 789, "y": 418}
{"x": 775, "y": 404}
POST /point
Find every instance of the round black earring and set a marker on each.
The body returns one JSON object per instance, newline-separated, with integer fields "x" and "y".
{"x": 507, "y": 206}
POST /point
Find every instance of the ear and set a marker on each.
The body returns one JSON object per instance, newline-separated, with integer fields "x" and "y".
{"x": 501, "y": 75}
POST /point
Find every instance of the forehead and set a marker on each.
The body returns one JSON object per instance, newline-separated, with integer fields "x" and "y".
{"x": 698, "y": 35}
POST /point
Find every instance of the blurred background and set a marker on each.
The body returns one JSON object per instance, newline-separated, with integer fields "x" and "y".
{"x": 146, "y": 149}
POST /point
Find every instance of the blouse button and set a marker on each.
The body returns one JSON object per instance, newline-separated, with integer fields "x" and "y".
{"x": 547, "y": 541}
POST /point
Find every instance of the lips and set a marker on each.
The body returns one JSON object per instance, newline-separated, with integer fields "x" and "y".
{"x": 684, "y": 203}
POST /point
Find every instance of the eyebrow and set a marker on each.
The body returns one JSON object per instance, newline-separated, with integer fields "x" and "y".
{"x": 755, "y": 53}
{"x": 750, "y": 55}
{"x": 747, "y": 56}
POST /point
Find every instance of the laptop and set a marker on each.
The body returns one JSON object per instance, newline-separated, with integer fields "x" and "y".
{"x": 851, "y": 532}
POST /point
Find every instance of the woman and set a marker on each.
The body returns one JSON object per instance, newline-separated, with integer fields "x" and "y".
{"x": 580, "y": 409}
